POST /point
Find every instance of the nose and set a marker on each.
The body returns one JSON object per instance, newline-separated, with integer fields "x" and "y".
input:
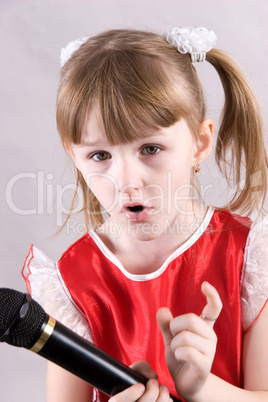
{"x": 128, "y": 176}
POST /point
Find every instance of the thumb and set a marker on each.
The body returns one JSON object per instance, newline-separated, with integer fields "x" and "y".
{"x": 213, "y": 307}
{"x": 164, "y": 317}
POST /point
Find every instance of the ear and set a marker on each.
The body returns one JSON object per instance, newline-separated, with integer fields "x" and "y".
{"x": 204, "y": 142}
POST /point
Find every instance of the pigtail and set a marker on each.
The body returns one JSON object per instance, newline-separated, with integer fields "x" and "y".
{"x": 240, "y": 148}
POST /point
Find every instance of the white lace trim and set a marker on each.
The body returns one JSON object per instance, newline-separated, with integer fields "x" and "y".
{"x": 47, "y": 287}
{"x": 254, "y": 279}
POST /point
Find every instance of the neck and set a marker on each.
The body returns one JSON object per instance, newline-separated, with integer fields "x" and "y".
{"x": 139, "y": 254}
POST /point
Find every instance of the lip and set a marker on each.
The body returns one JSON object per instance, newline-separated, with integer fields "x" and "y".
{"x": 136, "y": 216}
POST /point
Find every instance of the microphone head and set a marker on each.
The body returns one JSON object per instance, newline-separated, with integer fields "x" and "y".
{"x": 20, "y": 322}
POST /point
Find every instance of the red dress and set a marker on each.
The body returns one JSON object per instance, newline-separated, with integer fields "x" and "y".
{"x": 91, "y": 292}
{"x": 121, "y": 310}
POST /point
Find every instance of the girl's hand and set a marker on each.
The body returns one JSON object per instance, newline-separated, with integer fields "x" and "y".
{"x": 152, "y": 392}
{"x": 190, "y": 343}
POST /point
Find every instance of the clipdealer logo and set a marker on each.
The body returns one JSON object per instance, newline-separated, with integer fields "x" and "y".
{"x": 50, "y": 198}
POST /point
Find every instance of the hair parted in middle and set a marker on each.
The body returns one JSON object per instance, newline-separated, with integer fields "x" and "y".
{"x": 140, "y": 83}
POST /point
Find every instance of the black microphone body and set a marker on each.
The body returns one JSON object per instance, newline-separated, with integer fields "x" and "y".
{"x": 88, "y": 362}
{"x": 24, "y": 323}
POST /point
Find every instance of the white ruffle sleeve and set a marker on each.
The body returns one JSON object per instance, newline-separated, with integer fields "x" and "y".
{"x": 46, "y": 286}
{"x": 254, "y": 279}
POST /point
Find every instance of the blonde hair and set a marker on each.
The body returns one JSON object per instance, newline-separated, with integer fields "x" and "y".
{"x": 140, "y": 83}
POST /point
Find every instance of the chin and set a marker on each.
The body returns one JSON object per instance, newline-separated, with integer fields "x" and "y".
{"x": 145, "y": 231}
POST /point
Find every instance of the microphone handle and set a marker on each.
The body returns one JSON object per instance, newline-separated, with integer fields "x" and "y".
{"x": 80, "y": 357}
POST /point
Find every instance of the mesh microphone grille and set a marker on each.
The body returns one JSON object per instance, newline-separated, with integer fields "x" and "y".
{"x": 27, "y": 331}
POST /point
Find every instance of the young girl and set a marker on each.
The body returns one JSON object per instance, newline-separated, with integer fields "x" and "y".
{"x": 160, "y": 278}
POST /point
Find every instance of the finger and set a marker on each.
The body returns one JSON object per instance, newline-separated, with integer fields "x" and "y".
{"x": 202, "y": 344}
{"x": 193, "y": 357}
{"x": 155, "y": 392}
{"x": 130, "y": 394}
{"x": 190, "y": 322}
{"x": 151, "y": 392}
{"x": 164, "y": 318}
{"x": 164, "y": 395}
{"x": 213, "y": 307}
{"x": 144, "y": 368}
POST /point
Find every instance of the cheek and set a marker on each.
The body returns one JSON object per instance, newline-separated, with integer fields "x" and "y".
{"x": 104, "y": 188}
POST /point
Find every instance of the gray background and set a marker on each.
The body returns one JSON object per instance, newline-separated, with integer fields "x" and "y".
{"x": 36, "y": 179}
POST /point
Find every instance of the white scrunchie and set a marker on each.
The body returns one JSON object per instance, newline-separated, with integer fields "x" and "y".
{"x": 67, "y": 51}
{"x": 195, "y": 41}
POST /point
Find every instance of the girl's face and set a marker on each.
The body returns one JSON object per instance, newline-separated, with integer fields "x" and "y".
{"x": 143, "y": 185}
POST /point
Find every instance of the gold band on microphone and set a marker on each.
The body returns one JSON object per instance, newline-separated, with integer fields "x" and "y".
{"x": 45, "y": 335}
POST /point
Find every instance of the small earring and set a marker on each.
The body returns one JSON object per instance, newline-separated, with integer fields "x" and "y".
{"x": 197, "y": 168}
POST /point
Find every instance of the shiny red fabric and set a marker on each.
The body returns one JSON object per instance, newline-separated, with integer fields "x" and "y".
{"x": 122, "y": 312}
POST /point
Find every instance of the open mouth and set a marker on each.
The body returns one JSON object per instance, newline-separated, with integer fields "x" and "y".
{"x": 137, "y": 208}
{"x": 137, "y": 213}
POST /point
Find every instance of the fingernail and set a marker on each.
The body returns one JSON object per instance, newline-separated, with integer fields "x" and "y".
{"x": 209, "y": 285}
{"x": 164, "y": 389}
{"x": 153, "y": 382}
{"x": 141, "y": 388}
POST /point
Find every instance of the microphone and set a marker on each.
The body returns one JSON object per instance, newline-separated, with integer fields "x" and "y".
{"x": 24, "y": 323}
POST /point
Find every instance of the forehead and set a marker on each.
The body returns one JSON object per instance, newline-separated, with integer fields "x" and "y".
{"x": 95, "y": 132}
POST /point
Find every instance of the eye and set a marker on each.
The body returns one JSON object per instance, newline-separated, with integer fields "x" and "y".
{"x": 150, "y": 150}
{"x": 100, "y": 156}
